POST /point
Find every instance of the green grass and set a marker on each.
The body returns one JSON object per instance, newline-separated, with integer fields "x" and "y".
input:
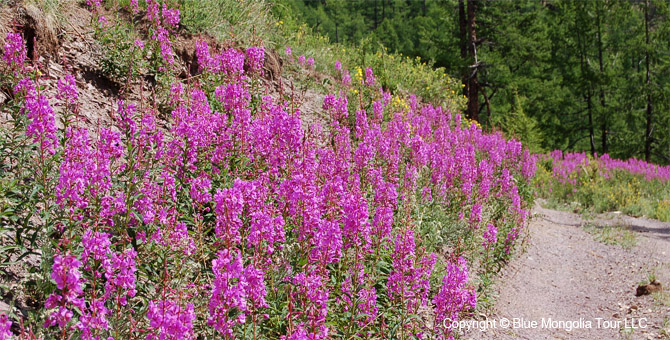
{"x": 662, "y": 298}
{"x": 627, "y": 333}
{"x": 249, "y": 22}
{"x": 52, "y": 10}
{"x": 665, "y": 332}
{"x": 614, "y": 235}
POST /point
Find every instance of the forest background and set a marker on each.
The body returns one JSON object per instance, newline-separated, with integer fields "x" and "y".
{"x": 571, "y": 75}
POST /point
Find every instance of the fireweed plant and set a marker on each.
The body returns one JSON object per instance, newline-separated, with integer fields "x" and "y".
{"x": 602, "y": 183}
{"x": 229, "y": 219}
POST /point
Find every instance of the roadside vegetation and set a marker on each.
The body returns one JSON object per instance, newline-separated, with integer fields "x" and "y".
{"x": 206, "y": 207}
{"x": 602, "y": 184}
{"x": 206, "y": 201}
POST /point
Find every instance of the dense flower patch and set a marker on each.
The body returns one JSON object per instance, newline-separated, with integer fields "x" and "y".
{"x": 566, "y": 165}
{"x": 228, "y": 219}
{"x": 603, "y": 183}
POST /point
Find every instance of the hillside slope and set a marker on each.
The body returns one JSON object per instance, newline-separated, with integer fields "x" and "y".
{"x": 162, "y": 184}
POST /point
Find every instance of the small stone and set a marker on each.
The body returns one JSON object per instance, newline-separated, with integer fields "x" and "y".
{"x": 649, "y": 288}
{"x": 4, "y": 308}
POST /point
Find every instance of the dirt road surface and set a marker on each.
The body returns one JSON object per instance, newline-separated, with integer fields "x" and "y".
{"x": 576, "y": 280}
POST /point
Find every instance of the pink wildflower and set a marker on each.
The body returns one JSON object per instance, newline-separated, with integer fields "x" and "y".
{"x": 5, "y": 326}
{"x": 15, "y": 52}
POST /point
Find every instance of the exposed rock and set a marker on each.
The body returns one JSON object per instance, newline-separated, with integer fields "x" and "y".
{"x": 272, "y": 66}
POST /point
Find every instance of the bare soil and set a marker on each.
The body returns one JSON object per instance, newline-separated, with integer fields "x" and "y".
{"x": 566, "y": 274}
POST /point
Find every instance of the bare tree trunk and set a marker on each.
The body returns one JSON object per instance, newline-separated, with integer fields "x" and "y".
{"x": 587, "y": 96}
{"x": 463, "y": 27}
{"x": 487, "y": 102}
{"x": 603, "y": 104}
{"x": 337, "y": 38}
{"x": 649, "y": 129}
{"x": 473, "y": 83}
{"x": 590, "y": 113}
{"x": 375, "y": 15}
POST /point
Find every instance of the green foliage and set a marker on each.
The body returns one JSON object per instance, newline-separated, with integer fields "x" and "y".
{"x": 413, "y": 28}
{"x": 519, "y": 125}
{"x": 121, "y": 58}
{"x": 277, "y": 26}
{"x": 619, "y": 190}
{"x": 18, "y": 199}
{"x": 31, "y": 221}
{"x": 578, "y": 67}
{"x": 397, "y": 73}
{"x": 28, "y": 216}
